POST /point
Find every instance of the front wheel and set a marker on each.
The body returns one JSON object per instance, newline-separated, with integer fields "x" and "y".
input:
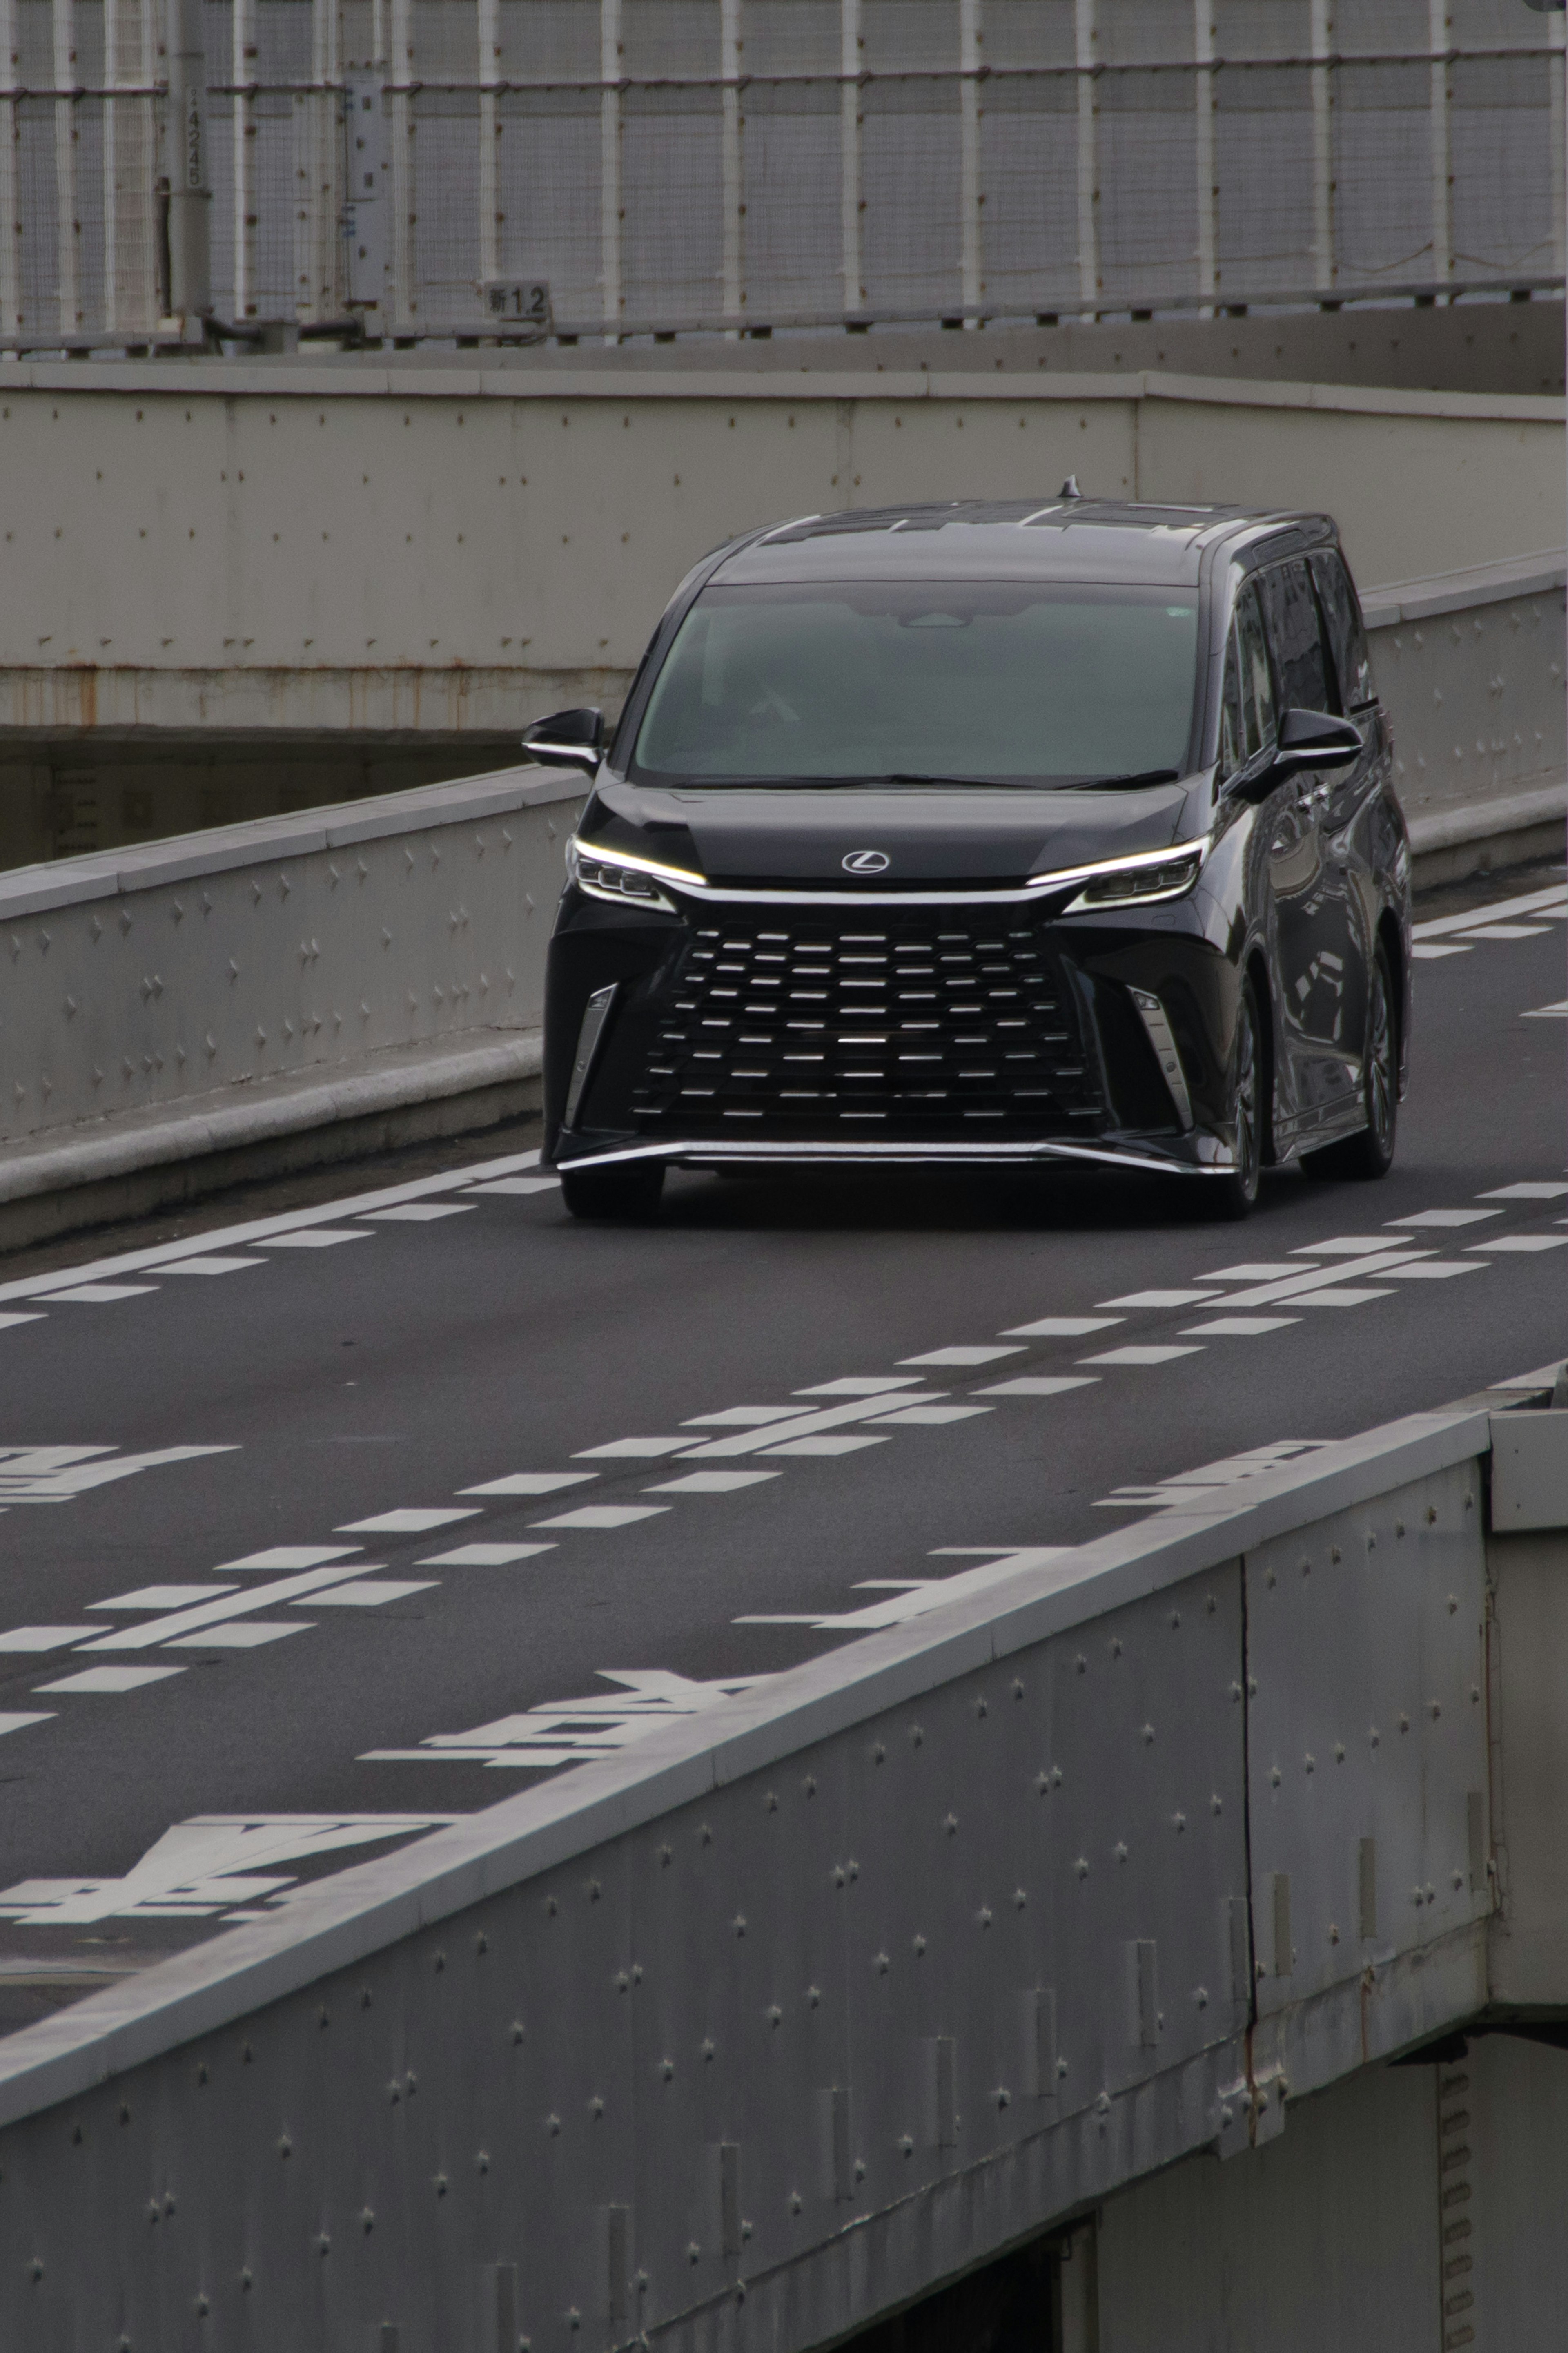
{"x": 1370, "y": 1153}
{"x": 1234, "y": 1194}
{"x": 625, "y": 1193}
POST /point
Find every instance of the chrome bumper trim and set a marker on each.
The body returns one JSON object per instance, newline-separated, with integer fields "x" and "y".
{"x": 718, "y": 1154}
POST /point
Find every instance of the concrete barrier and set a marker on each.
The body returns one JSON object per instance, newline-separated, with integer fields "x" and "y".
{"x": 765, "y": 2027}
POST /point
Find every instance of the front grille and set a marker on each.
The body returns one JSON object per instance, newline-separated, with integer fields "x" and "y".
{"x": 941, "y": 1021}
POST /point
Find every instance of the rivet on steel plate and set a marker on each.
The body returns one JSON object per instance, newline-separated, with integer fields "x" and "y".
{"x": 1043, "y": 1784}
{"x": 168, "y": 2206}
{"x": 77, "y": 2134}
{"x": 917, "y": 1734}
{"x": 1020, "y": 1898}
{"x": 247, "y": 2279}
{"x": 774, "y": 2015}
{"x": 125, "y": 2110}
{"x": 1431, "y": 1894}
{"x": 838, "y": 1874}
{"x": 1399, "y": 1527}
{"x": 636, "y": 1973}
{"x": 1201, "y": 1996}
{"x": 878, "y": 1755}
{"x": 1147, "y": 1736}
{"x": 596, "y": 2107}
{"x": 1252, "y": 1686}
{"x": 1436, "y": 1707}
{"x": 1475, "y": 1694}
{"x": 920, "y": 1947}
{"x": 771, "y": 1801}
{"x": 1403, "y": 1723}
{"x": 1017, "y": 1687}
{"x": 37, "y": 2269}
{"x": 245, "y": 2057}
{"x": 813, "y": 1997}
{"x": 907, "y": 2144}
{"x": 809, "y": 1784}
{"x": 1102, "y": 2105}
{"x": 440, "y": 1963}
{"x": 551, "y": 1907}
{"x": 285, "y": 2147}
{"x": 667, "y": 2069}
{"x": 366, "y": 2220}
{"x": 573, "y": 2318}
{"x": 1452, "y": 1603}
{"x": 859, "y": 2168}
{"x": 1116, "y": 1646}
{"x": 1333, "y": 1934}
{"x": 1373, "y": 1736}
{"x": 1210, "y": 1605}
{"x": 739, "y": 1924}
{"x": 595, "y": 1891}
{"x": 483, "y": 2161}
{"x": 795, "y": 2202}
{"x": 1459, "y": 1879}
{"x": 1081, "y": 1664}
{"x": 980, "y": 1706}
{"x": 853, "y": 1868}
{"x": 552, "y": 2127}
{"x": 983, "y": 1917}
{"x": 1309, "y": 1762}
{"x": 666, "y": 1856}
{"x": 365, "y": 1996}
{"x": 1371, "y": 1540}
{"x": 410, "y": 2084}
{"x": 1082, "y": 1867}
{"x": 394, "y": 2093}
{"x": 323, "y": 2016}
{"x": 1416, "y": 1897}
{"x": 1178, "y": 1823}
{"x": 1431, "y": 1515}
{"x": 1274, "y": 1777}
{"x": 950, "y": 1824}
{"x": 693, "y": 2252}
{"x": 202, "y": 2307}
{"x": 1176, "y": 1619}
{"x": 153, "y": 2208}
{"x": 882, "y": 1965}
{"x": 1118, "y": 1851}
{"x": 1217, "y": 1804}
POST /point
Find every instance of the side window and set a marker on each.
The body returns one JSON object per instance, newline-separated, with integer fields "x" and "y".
{"x": 1231, "y": 740}
{"x": 1296, "y": 636}
{"x": 1256, "y": 687}
{"x": 1347, "y": 637}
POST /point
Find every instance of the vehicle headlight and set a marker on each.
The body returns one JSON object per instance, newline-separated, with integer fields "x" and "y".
{"x": 617, "y": 876}
{"x": 1135, "y": 882}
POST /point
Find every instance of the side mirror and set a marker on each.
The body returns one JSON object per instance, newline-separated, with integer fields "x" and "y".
{"x": 569, "y": 739}
{"x": 1307, "y": 739}
{"x": 1313, "y": 739}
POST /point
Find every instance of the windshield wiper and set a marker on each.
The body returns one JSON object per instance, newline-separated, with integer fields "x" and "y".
{"x": 1143, "y": 776}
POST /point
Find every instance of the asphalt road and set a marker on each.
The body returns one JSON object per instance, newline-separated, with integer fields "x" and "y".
{"x": 217, "y": 1681}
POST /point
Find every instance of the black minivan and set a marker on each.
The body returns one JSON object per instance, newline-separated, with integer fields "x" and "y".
{"x": 1001, "y": 831}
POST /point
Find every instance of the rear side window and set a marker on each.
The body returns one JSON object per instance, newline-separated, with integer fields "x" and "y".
{"x": 1299, "y": 655}
{"x": 1347, "y": 637}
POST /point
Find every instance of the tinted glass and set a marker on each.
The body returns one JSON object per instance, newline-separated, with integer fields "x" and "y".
{"x": 1015, "y": 683}
{"x": 1295, "y": 635}
{"x": 1251, "y": 654}
{"x": 1347, "y": 638}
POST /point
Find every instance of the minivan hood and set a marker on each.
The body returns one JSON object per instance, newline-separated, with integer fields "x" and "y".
{"x": 783, "y": 835}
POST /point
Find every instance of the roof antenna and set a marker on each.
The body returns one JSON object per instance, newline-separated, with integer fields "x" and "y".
{"x": 1070, "y": 489}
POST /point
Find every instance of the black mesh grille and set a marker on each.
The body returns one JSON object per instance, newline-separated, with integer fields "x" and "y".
{"x": 944, "y": 1021}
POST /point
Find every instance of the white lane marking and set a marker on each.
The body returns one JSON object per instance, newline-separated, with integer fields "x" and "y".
{"x": 1341, "y": 1296}
{"x": 961, "y": 1355}
{"x": 1254, "y": 1271}
{"x": 162, "y": 1596}
{"x": 1138, "y": 1356}
{"x": 369, "y": 1592}
{"x": 1445, "y": 1218}
{"x": 1306, "y": 1284}
{"x": 247, "y": 1634}
{"x": 483, "y": 1556}
{"x": 405, "y": 1522}
{"x": 240, "y": 1602}
{"x": 1157, "y": 1299}
{"x": 518, "y": 1184}
{"x": 1434, "y": 1270}
{"x": 1557, "y": 1012}
{"x": 571, "y": 1731}
{"x": 1349, "y": 1246}
{"x": 18, "y": 1721}
{"x": 853, "y": 1384}
{"x": 43, "y": 1638}
{"x": 712, "y": 1482}
{"x": 744, "y": 1417}
{"x": 1061, "y": 1327}
{"x": 825, "y": 1445}
{"x": 1045, "y": 1385}
{"x": 56, "y": 1474}
{"x": 1190, "y": 1489}
{"x": 1523, "y": 1243}
{"x": 421, "y": 1213}
{"x": 111, "y": 1679}
{"x": 915, "y": 1595}
{"x": 602, "y": 1516}
{"x": 289, "y": 1557}
{"x": 99, "y": 1294}
{"x": 631, "y": 1448}
{"x": 1240, "y": 1327}
{"x": 1428, "y": 953}
{"x": 213, "y": 1265}
{"x": 6, "y": 1320}
{"x": 319, "y": 1238}
{"x": 277, "y": 1232}
{"x": 921, "y": 1417}
{"x": 531, "y": 1483}
{"x": 806, "y": 1425}
{"x": 1532, "y": 1191}
{"x": 203, "y": 1866}
{"x": 1507, "y": 932}
{"x": 1551, "y": 901}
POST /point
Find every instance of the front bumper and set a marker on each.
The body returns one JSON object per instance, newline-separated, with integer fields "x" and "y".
{"x": 974, "y": 1031}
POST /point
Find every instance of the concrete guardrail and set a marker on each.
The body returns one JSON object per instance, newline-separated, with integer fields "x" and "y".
{"x": 769, "y": 2024}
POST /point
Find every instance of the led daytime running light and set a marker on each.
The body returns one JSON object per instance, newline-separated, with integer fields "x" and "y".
{"x": 1129, "y": 881}
{"x": 615, "y": 874}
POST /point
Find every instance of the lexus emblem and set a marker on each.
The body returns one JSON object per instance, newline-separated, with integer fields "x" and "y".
{"x": 866, "y": 861}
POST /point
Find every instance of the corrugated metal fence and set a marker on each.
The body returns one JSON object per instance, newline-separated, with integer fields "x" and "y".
{"x": 658, "y": 164}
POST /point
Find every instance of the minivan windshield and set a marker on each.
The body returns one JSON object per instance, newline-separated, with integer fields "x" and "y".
{"x": 956, "y": 683}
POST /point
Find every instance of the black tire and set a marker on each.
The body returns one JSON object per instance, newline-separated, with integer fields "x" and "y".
{"x": 626, "y": 1193}
{"x": 1371, "y": 1152}
{"x": 1234, "y": 1194}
